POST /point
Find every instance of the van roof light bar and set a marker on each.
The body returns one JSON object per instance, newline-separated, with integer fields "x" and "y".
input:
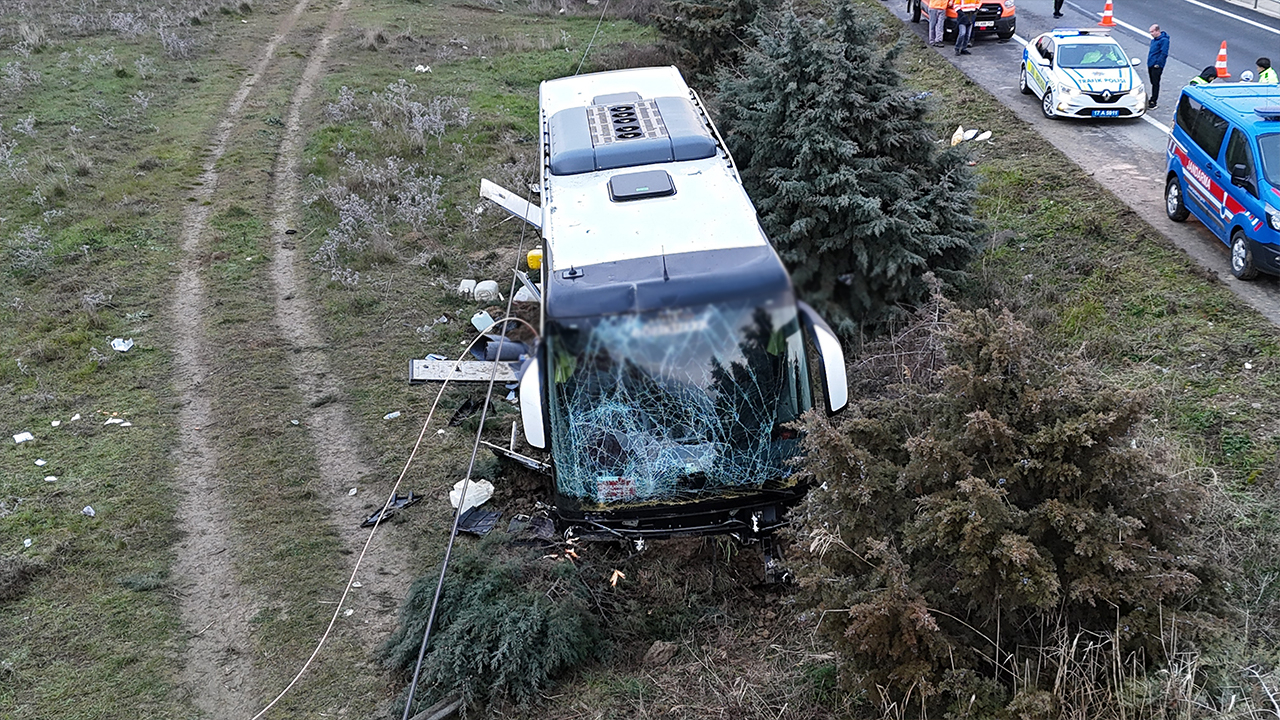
{"x": 1268, "y": 112}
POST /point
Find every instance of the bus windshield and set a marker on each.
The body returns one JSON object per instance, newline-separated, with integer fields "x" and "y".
{"x": 676, "y": 404}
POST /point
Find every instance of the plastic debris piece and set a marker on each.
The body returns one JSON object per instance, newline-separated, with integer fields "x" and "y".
{"x": 983, "y": 136}
{"x": 534, "y": 258}
{"x": 75, "y": 417}
{"x": 440, "y": 431}
{"x": 436, "y": 356}
{"x": 617, "y": 575}
{"x": 347, "y": 612}
{"x": 126, "y": 423}
{"x": 478, "y": 522}
{"x": 422, "y": 69}
{"x": 970, "y": 134}
{"x": 487, "y": 291}
{"x": 464, "y": 411}
{"x": 957, "y": 137}
{"x": 1248, "y": 366}
{"x": 352, "y": 491}
{"x": 467, "y": 288}
{"x": 399, "y": 502}
{"x": 291, "y": 231}
{"x": 488, "y": 349}
{"x": 55, "y": 423}
{"x": 41, "y": 462}
{"x": 23, "y": 437}
{"x": 482, "y": 321}
{"x": 391, "y": 415}
{"x": 442, "y": 320}
{"x": 88, "y": 511}
{"x": 292, "y": 422}
{"x": 26, "y": 543}
{"x": 357, "y": 584}
{"x": 51, "y": 478}
{"x": 524, "y": 294}
{"x": 121, "y": 345}
{"x": 478, "y": 493}
{"x": 113, "y": 421}
{"x": 530, "y": 530}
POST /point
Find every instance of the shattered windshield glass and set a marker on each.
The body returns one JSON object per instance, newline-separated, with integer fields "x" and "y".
{"x": 676, "y": 404}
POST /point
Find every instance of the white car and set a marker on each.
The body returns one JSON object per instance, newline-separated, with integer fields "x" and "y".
{"x": 1082, "y": 73}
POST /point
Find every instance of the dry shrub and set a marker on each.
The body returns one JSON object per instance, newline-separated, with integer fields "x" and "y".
{"x": 373, "y": 39}
{"x": 16, "y": 575}
{"x": 33, "y": 36}
{"x": 982, "y": 497}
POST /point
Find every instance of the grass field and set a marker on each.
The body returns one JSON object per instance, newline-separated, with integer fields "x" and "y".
{"x": 107, "y": 120}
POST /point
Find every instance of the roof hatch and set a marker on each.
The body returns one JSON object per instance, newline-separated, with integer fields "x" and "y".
{"x": 624, "y": 130}
{"x": 640, "y": 185}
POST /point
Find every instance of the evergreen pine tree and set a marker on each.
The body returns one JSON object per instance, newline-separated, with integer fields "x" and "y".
{"x": 844, "y": 169}
{"x": 710, "y": 33}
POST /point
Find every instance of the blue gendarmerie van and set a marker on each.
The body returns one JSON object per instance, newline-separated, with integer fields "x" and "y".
{"x": 1224, "y": 168}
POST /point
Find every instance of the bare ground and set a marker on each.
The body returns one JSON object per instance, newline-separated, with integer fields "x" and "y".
{"x": 218, "y": 670}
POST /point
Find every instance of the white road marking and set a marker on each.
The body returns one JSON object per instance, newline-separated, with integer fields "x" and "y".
{"x": 1233, "y": 16}
{"x": 1150, "y": 120}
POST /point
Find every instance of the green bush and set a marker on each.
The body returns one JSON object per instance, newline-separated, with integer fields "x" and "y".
{"x": 979, "y": 498}
{"x": 509, "y": 623}
{"x": 844, "y": 167}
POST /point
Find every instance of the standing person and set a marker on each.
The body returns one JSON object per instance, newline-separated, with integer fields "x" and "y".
{"x": 965, "y": 12}
{"x": 937, "y": 21}
{"x": 1057, "y": 8}
{"x": 1157, "y": 56}
{"x": 1266, "y": 73}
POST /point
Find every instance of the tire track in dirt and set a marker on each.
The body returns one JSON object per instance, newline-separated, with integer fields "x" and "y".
{"x": 218, "y": 668}
{"x": 334, "y": 441}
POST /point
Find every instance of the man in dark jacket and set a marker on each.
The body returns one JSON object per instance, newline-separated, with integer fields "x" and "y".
{"x": 1157, "y": 56}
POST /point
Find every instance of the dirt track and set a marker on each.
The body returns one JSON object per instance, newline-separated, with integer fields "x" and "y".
{"x": 218, "y": 670}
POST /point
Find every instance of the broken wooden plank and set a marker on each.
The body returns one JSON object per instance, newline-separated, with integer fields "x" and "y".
{"x": 466, "y": 371}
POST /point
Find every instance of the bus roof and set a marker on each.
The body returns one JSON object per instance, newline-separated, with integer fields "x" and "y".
{"x": 597, "y": 207}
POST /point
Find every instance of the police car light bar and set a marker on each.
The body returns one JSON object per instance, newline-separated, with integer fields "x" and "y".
{"x": 1069, "y": 32}
{"x": 1269, "y": 112}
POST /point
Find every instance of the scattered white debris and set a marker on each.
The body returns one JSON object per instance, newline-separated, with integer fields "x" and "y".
{"x": 352, "y": 491}
{"x": 440, "y": 431}
{"x": 26, "y": 543}
{"x": 482, "y": 320}
{"x": 113, "y": 421}
{"x": 467, "y": 288}
{"x": 88, "y": 511}
{"x": 422, "y": 69}
{"x": 357, "y": 584}
{"x": 51, "y": 478}
{"x": 41, "y": 462}
{"x": 75, "y": 417}
{"x": 121, "y": 345}
{"x": 293, "y": 422}
{"x": 1248, "y": 366}
{"x": 23, "y": 437}
{"x": 55, "y": 423}
{"x": 487, "y": 291}
{"x": 348, "y": 612}
{"x": 983, "y": 136}
{"x": 478, "y": 493}
{"x": 391, "y": 415}
{"x": 126, "y": 423}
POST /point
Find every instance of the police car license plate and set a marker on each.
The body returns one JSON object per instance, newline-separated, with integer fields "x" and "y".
{"x": 1106, "y": 113}
{"x": 985, "y": 24}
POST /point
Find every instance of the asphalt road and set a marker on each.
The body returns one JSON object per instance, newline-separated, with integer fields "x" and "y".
{"x": 1128, "y": 156}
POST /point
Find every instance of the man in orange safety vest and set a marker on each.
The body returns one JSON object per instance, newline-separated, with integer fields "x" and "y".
{"x": 937, "y": 21}
{"x": 965, "y": 12}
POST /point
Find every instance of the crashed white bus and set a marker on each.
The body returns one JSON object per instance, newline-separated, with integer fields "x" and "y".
{"x": 672, "y": 349}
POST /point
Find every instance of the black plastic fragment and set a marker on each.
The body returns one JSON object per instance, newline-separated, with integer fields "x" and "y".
{"x": 399, "y": 503}
{"x": 478, "y": 522}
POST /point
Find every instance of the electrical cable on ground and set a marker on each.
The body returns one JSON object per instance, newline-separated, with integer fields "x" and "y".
{"x": 593, "y": 37}
{"x": 466, "y": 481}
{"x": 390, "y": 500}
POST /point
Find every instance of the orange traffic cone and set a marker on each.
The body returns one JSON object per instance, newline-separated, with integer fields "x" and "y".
{"x": 1221, "y": 65}
{"x": 1107, "y": 19}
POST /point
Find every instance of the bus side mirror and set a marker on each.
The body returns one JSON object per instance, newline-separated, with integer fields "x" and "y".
{"x": 535, "y": 433}
{"x": 835, "y": 383}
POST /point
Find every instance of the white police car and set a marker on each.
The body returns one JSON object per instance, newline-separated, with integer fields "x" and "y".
{"x": 1082, "y": 73}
